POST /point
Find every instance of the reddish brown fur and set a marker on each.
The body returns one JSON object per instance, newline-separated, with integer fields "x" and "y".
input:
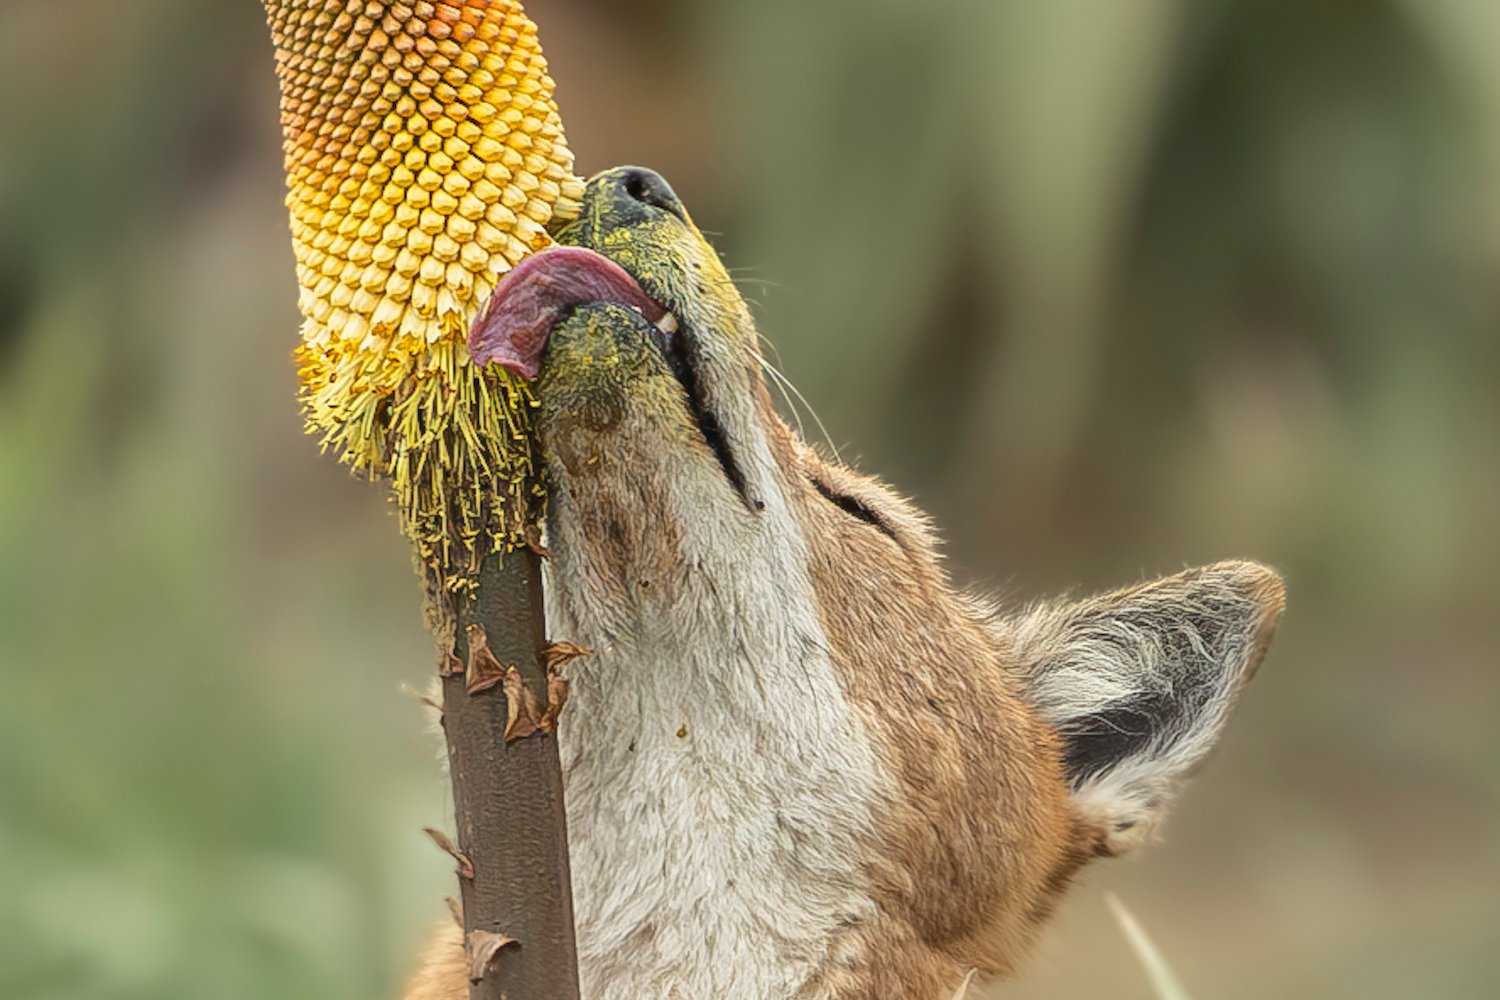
{"x": 444, "y": 974}
{"x": 979, "y": 843}
{"x": 981, "y": 830}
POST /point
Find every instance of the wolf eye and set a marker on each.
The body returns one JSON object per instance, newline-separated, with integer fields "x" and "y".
{"x": 851, "y": 506}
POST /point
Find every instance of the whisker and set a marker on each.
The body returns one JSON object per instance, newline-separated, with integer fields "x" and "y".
{"x": 788, "y": 386}
{"x": 788, "y": 389}
{"x": 776, "y": 380}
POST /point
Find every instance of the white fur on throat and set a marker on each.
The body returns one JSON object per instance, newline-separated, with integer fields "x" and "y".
{"x": 719, "y": 786}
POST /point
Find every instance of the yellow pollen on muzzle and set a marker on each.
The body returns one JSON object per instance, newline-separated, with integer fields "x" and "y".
{"x": 424, "y": 158}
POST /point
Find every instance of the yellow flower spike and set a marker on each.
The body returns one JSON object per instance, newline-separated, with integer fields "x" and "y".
{"x": 424, "y": 158}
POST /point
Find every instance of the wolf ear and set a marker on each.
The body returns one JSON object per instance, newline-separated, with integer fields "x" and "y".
{"x": 1139, "y": 684}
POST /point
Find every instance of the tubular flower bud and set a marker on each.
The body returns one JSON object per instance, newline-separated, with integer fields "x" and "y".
{"x": 424, "y": 158}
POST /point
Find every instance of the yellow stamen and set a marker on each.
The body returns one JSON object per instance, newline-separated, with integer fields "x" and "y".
{"x": 424, "y": 158}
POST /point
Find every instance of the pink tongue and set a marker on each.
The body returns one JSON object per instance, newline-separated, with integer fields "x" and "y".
{"x": 537, "y": 293}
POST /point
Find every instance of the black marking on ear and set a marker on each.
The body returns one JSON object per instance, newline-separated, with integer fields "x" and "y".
{"x": 1190, "y": 675}
{"x": 1095, "y": 743}
{"x": 1140, "y": 683}
{"x": 851, "y": 506}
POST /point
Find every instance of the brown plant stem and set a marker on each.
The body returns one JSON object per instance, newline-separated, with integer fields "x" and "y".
{"x": 509, "y": 798}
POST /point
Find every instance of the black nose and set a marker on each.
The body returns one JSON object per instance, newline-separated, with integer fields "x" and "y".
{"x": 626, "y": 185}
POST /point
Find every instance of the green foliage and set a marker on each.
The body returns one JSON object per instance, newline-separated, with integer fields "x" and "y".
{"x": 1163, "y": 980}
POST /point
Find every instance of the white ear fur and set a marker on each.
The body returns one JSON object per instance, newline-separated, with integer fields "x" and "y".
{"x": 1140, "y": 683}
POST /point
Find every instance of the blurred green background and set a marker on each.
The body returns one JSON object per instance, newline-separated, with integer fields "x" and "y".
{"x": 1111, "y": 288}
